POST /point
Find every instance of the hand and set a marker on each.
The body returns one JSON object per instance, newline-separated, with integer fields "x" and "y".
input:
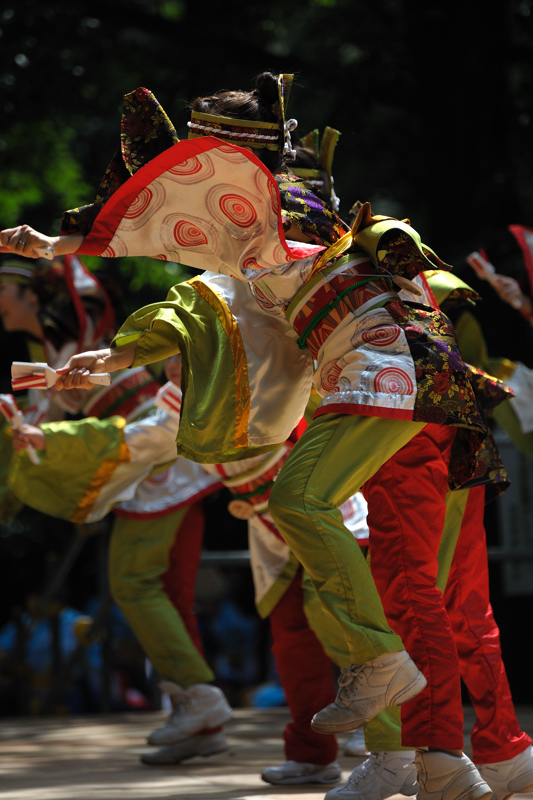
{"x": 29, "y": 436}
{"x": 22, "y": 240}
{"x": 77, "y": 369}
{"x": 509, "y": 290}
{"x": 75, "y": 373}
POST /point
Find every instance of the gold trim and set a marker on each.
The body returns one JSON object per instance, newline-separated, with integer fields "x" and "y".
{"x": 231, "y": 329}
{"x": 240, "y": 123}
{"x": 257, "y": 134}
{"x": 101, "y": 476}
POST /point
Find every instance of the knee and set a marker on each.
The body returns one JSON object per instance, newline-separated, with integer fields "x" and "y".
{"x": 125, "y": 589}
{"x": 283, "y": 502}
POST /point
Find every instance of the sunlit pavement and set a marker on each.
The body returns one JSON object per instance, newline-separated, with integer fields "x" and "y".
{"x": 97, "y": 758}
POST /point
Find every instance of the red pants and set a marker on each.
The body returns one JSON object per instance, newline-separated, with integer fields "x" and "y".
{"x": 496, "y": 735}
{"x": 306, "y": 677}
{"x": 406, "y": 512}
{"x": 179, "y": 580}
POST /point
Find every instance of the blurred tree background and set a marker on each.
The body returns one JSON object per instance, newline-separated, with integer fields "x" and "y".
{"x": 434, "y": 101}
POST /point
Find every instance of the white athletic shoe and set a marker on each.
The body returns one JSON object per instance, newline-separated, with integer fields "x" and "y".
{"x": 443, "y": 776}
{"x": 198, "y": 707}
{"x": 514, "y": 776}
{"x": 203, "y": 744}
{"x": 295, "y": 772}
{"x": 380, "y": 776}
{"x": 366, "y": 689}
{"x": 355, "y": 745}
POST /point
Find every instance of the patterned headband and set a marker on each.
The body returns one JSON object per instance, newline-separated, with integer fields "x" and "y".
{"x": 251, "y": 133}
{"x": 16, "y": 274}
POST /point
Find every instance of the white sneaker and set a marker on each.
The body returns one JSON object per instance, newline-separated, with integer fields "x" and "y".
{"x": 380, "y": 776}
{"x": 509, "y": 777}
{"x": 443, "y": 776}
{"x": 293, "y": 772}
{"x": 355, "y": 746}
{"x": 366, "y": 689}
{"x": 198, "y": 707}
{"x": 203, "y": 744}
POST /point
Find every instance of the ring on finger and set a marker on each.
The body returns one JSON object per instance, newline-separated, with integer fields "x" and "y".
{"x": 22, "y": 242}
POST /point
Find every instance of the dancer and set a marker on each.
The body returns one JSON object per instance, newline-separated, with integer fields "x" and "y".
{"x": 158, "y": 522}
{"x": 501, "y": 750}
{"x": 62, "y": 308}
{"x": 378, "y": 387}
{"x": 279, "y": 593}
{"x": 510, "y": 357}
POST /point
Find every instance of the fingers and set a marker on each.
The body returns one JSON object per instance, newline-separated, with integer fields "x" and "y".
{"x": 21, "y": 240}
{"x": 73, "y": 378}
{"x": 20, "y": 441}
{"x": 29, "y": 436}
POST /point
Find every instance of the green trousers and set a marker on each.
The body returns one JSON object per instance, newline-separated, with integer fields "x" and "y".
{"x": 332, "y": 460}
{"x": 138, "y": 556}
{"x": 384, "y": 731}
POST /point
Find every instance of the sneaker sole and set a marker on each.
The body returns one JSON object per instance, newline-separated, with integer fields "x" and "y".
{"x": 339, "y": 727}
{"x": 401, "y": 697}
{"x": 476, "y": 793}
{"x": 219, "y": 719}
{"x": 479, "y": 792}
{"x": 522, "y": 790}
{"x": 185, "y": 758}
{"x": 304, "y": 779}
{"x": 214, "y": 721}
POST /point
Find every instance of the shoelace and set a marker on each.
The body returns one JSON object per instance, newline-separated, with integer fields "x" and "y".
{"x": 351, "y": 674}
{"x": 375, "y": 760}
{"x": 180, "y": 702}
{"x": 366, "y": 767}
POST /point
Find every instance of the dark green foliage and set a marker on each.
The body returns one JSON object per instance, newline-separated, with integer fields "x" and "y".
{"x": 434, "y": 99}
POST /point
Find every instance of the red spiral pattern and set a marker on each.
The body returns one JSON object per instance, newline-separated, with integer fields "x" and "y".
{"x": 330, "y": 377}
{"x": 238, "y": 210}
{"x": 192, "y": 170}
{"x": 274, "y": 197}
{"x": 393, "y": 381}
{"x": 251, "y": 263}
{"x": 140, "y": 204}
{"x": 190, "y": 166}
{"x": 187, "y": 234}
{"x": 229, "y": 153}
{"x": 347, "y": 509}
{"x": 381, "y": 335}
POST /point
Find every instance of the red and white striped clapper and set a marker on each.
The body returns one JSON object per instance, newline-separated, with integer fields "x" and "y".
{"x": 36, "y": 375}
{"x": 168, "y": 399}
{"x": 13, "y": 414}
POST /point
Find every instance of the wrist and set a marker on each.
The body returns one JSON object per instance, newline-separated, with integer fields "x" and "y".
{"x": 65, "y": 245}
{"x": 119, "y": 358}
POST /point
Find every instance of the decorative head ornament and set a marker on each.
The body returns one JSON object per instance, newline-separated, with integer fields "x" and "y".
{"x": 251, "y": 133}
{"x": 320, "y": 178}
{"x": 71, "y": 299}
{"x": 17, "y": 272}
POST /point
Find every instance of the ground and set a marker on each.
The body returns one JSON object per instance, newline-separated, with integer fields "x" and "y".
{"x": 97, "y": 758}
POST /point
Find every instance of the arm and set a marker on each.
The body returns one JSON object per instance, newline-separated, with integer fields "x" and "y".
{"x": 22, "y": 240}
{"x": 77, "y": 369}
{"x": 510, "y": 291}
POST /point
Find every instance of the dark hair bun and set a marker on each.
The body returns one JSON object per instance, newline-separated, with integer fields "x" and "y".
{"x": 267, "y": 87}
